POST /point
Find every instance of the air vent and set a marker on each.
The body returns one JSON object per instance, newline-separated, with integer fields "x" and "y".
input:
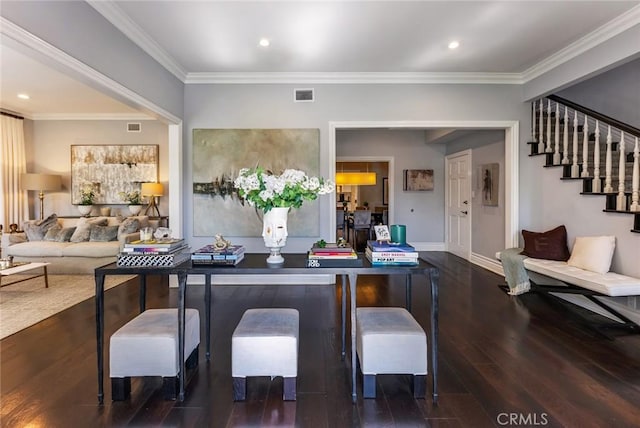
{"x": 134, "y": 127}
{"x": 303, "y": 95}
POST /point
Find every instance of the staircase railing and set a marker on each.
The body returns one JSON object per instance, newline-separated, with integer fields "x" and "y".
{"x": 573, "y": 136}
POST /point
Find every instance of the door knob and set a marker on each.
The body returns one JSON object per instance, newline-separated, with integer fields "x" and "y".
{"x": 464, "y": 212}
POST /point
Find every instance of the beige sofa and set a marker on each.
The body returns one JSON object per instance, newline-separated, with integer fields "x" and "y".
{"x": 74, "y": 256}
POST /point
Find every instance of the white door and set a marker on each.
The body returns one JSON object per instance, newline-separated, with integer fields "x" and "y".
{"x": 458, "y": 211}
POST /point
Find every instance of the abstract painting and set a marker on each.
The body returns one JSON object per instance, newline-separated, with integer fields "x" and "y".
{"x": 218, "y": 156}
{"x": 110, "y": 170}
{"x": 417, "y": 180}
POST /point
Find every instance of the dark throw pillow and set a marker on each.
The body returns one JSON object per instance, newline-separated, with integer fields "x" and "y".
{"x": 103, "y": 233}
{"x": 549, "y": 245}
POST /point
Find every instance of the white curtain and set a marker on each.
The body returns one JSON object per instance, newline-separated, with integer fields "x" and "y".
{"x": 14, "y": 206}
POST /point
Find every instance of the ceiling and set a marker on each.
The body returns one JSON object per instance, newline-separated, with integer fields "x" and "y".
{"x": 200, "y": 41}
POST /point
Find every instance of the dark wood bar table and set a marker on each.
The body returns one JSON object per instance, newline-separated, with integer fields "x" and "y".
{"x": 255, "y": 264}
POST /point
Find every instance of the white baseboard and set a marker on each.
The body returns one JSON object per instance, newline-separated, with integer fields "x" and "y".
{"x": 486, "y": 262}
{"x": 429, "y": 246}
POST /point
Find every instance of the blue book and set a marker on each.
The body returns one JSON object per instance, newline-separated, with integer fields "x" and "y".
{"x": 390, "y": 247}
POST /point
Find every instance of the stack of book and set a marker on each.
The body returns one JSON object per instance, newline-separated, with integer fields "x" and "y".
{"x": 331, "y": 255}
{"x": 210, "y": 255}
{"x": 382, "y": 253}
{"x": 154, "y": 252}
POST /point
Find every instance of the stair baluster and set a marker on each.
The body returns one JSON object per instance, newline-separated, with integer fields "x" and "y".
{"x": 541, "y": 128}
{"x": 575, "y": 168}
{"x": 607, "y": 164}
{"x": 533, "y": 122}
{"x": 621, "y": 200}
{"x": 596, "y": 184}
{"x": 635, "y": 181}
{"x": 585, "y": 148}
{"x": 556, "y": 137}
{"x": 565, "y": 138}
{"x": 549, "y": 149}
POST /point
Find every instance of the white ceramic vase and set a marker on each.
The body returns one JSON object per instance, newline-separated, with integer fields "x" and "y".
{"x": 135, "y": 209}
{"x": 274, "y": 233}
{"x": 85, "y": 210}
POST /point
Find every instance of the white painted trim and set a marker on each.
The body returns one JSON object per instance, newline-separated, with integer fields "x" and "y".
{"x": 116, "y": 16}
{"x": 90, "y": 116}
{"x": 353, "y": 78}
{"x": 600, "y": 35}
{"x": 430, "y": 246}
{"x": 447, "y": 159}
{"x": 487, "y": 263}
{"x": 176, "y": 180}
{"x": 264, "y": 279}
{"x": 511, "y": 158}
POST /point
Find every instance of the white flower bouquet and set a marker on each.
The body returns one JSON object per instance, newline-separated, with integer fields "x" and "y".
{"x": 264, "y": 190}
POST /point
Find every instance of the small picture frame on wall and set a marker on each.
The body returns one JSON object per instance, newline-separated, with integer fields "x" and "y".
{"x": 490, "y": 180}
{"x": 417, "y": 180}
{"x": 385, "y": 191}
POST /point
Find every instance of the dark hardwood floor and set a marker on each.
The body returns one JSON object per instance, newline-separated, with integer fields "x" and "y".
{"x": 504, "y": 361}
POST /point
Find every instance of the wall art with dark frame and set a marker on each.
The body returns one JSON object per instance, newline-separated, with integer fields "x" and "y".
{"x": 417, "y": 180}
{"x": 111, "y": 169}
{"x": 385, "y": 191}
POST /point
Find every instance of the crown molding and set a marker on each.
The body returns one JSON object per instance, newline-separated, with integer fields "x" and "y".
{"x": 353, "y": 78}
{"x": 90, "y": 116}
{"x": 600, "y": 35}
{"x": 114, "y": 14}
{"x": 115, "y": 89}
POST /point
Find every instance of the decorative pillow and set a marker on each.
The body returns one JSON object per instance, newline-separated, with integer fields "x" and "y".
{"x": 103, "y": 233}
{"x": 52, "y": 233}
{"x": 83, "y": 228}
{"x": 65, "y": 234}
{"x": 37, "y": 229}
{"x": 128, "y": 225}
{"x": 593, "y": 253}
{"x": 549, "y": 245}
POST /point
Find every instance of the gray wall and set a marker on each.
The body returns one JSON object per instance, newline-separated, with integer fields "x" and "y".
{"x": 53, "y": 139}
{"x": 79, "y": 30}
{"x": 615, "y": 93}
{"x": 271, "y": 106}
{"x": 421, "y": 212}
{"x": 487, "y": 222}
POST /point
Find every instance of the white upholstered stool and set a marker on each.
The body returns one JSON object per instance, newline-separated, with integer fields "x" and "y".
{"x": 390, "y": 341}
{"x": 265, "y": 343}
{"x": 148, "y": 346}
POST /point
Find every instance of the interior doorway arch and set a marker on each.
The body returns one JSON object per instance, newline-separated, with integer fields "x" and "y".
{"x": 511, "y": 129}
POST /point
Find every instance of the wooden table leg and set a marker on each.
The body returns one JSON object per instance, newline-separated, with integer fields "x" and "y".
{"x": 46, "y": 277}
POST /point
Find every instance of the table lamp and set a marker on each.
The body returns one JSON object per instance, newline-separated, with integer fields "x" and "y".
{"x": 40, "y": 182}
{"x": 152, "y": 191}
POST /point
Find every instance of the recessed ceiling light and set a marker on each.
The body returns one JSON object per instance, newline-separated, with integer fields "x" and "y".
{"x": 454, "y": 44}
{"x": 23, "y": 96}
{"x": 264, "y": 42}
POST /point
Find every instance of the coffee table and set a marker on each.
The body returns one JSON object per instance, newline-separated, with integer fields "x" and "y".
{"x": 24, "y": 267}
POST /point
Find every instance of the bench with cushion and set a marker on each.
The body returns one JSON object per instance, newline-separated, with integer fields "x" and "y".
{"x": 581, "y": 277}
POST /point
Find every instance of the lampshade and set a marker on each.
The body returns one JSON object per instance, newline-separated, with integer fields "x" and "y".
{"x": 151, "y": 189}
{"x": 355, "y": 178}
{"x": 40, "y": 182}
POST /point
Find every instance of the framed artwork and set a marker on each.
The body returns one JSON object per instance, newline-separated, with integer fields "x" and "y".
{"x": 218, "y": 156}
{"x": 490, "y": 179}
{"x": 417, "y": 180}
{"x": 110, "y": 170}
{"x": 385, "y": 191}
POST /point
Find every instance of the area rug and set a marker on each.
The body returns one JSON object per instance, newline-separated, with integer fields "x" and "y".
{"x": 26, "y": 303}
